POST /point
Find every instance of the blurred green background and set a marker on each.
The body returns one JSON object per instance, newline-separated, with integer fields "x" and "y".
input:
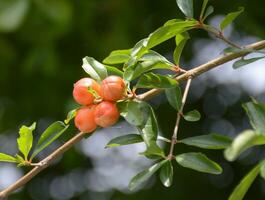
{"x": 42, "y": 43}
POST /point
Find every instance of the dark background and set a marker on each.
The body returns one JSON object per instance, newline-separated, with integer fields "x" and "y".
{"x": 40, "y": 59}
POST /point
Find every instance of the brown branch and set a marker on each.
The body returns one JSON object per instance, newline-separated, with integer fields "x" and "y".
{"x": 145, "y": 96}
{"x": 175, "y": 133}
{"x": 206, "y": 67}
{"x": 42, "y": 165}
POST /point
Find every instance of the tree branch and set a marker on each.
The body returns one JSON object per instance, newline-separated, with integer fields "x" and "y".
{"x": 42, "y": 165}
{"x": 206, "y": 67}
{"x": 174, "y": 136}
{"x": 145, "y": 96}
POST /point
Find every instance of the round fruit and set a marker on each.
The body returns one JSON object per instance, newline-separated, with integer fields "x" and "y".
{"x": 85, "y": 119}
{"x": 81, "y": 92}
{"x": 106, "y": 114}
{"x": 113, "y": 88}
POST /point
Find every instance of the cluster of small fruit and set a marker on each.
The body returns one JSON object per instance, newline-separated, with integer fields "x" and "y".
{"x": 98, "y": 102}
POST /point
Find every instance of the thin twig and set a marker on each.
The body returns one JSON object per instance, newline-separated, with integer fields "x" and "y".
{"x": 42, "y": 165}
{"x": 175, "y": 134}
{"x": 145, "y": 96}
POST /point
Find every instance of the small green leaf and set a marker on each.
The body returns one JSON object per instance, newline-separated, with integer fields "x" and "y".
{"x": 241, "y": 189}
{"x": 242, "y": 142}
{"x": 19, "y": 159}
{"x": 70, "y": 115}
{"x": 229, "y": 18}
{"x": 140, "y": 48}
{"x": 166, "y": 32}
{"x": 154, "y": 56}
{"x": 174, "y": 97}
{"x": 208, "y": 11}
{"x": 242, "y": 61}
{"x": 118, "y": 57}
{"x": 134, "y": 71}
{"x": 113, "y": 71}
{"x": 211, "y": 141}
{"x": 143, "y": 176}
{"x": 12, "y": 14}
{"x": 186, "y": 6}
{"x": 7, "y": 158}
{"x": 166, "y": 174}
{"x": 192, "y": 116}
{"x": 95, "y": 69}
{"x": 153, "y": 150}
{"x": 25, "y": 139}
{"x": 198, "y": 162}
{"x": 125, "y": 140}
{"x": 151, "y": 80}
{"x": 256, "y": 115}
{"x": 262, "y": 169}
{"x": 204, "y": 4}
{"x": 161, "y": 35}
{"x": 54, "y": 131}
{"x": 181, "y": 40}
{"x": 150, "y": 128}
{"x": 134, "y": 112}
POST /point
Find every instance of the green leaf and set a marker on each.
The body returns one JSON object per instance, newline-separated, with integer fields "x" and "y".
{"x": 186, "y": 6}
{"x": 181, "y": 40}
{"x": 150, "y": 128}
{"x": 20, "y": 160}
{"x": 151, "y": 80}
{"x": 125, "y": 140}
{"x": 12, "y": 14}
{"x": 208, "y": 11}
{"x": 242, "y": 142}
{"x": 229, "y": 18}
{"x": 134, "y": 112}
{"x": 198, "y": 162}
{"x": 113, "y": 71}
{"x": 153, "y": 151}
{"x": 241, "y": 189}
{"x": 256, "y": 115}
{"x": 95, "y": 69}
{"x": 262, "y": 169}
{"x": 242, "y": 61}
{"x": 174, "y": 97}
{"x": 70, "y": 115}
{"x": 166, "y": 32}
{"x": 211, "y": 141}
{"x": 140, "y": 48}
{"x": 154, "y": 56}
{"x": 192, "y": 116}
{"x": 134, "y": 71}
{"x": 166, "y": 174}
{"x": 25, "y": 139}
{"x": 143, "y": 176}
{"x": 161, "y": 35}
{"x": 204, "y": 4}
{"x": 54, "y": 131}
{"x": 7, "y": 158}
{"x": 118, "y": 57}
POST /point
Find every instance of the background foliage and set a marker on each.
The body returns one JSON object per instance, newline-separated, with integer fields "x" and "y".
{"x": 41, "y": 46}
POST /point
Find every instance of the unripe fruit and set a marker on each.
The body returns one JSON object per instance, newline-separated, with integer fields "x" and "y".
{"x": 85, "y": 119}
{"x": 81, "y": 92}
{"x": 113, "y": 88}
{"x": 106, "y": 114}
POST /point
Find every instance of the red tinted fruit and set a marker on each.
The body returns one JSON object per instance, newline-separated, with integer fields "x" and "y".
{"x": 113, "y": 88}
{"x": 85, "y": 119}
{"x": 81, "y": 92}
{"x": 106, "y": 114}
